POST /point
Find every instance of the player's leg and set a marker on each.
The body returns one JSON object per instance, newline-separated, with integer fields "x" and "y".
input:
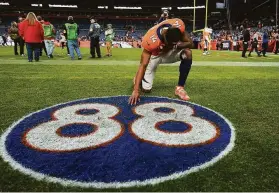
{"x": 185, "y": 56}
{"x": 149, "y": 75}
{"x": 184, "y": 69}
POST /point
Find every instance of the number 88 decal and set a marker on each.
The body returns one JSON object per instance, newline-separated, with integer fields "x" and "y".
{"x": 105, "y": 128}
{"x": 146, "y": 128}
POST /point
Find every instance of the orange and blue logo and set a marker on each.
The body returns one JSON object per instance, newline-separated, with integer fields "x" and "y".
{"x": 106, "y": 143}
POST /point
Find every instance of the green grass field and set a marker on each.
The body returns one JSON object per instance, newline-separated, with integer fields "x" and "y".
{"x": 247, "y": 95}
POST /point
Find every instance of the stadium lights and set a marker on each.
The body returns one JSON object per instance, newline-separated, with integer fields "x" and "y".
{"x": 166, "y": 8}
{"x": 117, "y": 7}
{"x": 197, "y": 7}
{"x": 64, "y": 6}
{"x": 4, "y": 3}
{"x": 37, "y": 5}
{"x": 102, "y": 7}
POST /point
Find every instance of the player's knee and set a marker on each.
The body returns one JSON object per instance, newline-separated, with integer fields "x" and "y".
{"x": 186, "y": 54}
{"x": 186, "y": 60}
{"x": 146, "y": 86}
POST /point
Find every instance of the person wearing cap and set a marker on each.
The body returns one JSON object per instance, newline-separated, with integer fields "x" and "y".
{"x": 71, "y": 31}
{"x": 94, "y": 34}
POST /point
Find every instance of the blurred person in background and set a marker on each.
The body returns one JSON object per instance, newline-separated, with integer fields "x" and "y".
{"x": 43, "y": 46}
{"x": 63, "y": 43}
{"x": 4, "y": 38}
{"x": 94, "y": 34}
{"x": 33, "y": 34}
{"x": 246, "y": 39}
{"x": 71, "y": 31}
{"x": 254, "y": 45}
{"x": 21, "y": 41}
{"x": 265, "y": 43}
{"x": 277, "y": 42}
{"x": 14, "y": 34}
{"x": 164, "y": 16}
{"x": 49, "y": 35}
{"x": 109, "y": 35}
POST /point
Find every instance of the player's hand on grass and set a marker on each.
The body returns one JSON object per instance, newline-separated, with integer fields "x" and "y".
{"x": 134, "y": 98}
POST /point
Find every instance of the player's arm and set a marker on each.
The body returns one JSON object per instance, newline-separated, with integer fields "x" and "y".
{"x": 186, "y": 42}
{"x": 145, "y": 57}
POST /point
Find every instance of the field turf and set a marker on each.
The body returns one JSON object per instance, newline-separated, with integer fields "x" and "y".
{"x": 248, "y": 95}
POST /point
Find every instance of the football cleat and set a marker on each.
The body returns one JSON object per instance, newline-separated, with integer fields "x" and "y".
{"x": 181, "y": 93}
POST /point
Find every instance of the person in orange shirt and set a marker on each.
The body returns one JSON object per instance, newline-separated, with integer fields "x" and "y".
{"x": 166, "y": 42}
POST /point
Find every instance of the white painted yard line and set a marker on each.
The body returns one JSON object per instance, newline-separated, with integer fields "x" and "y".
{"x": 136, "y": 63}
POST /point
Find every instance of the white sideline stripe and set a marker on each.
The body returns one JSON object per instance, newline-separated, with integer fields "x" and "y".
{"x": 39, "y": 176}
{"x": 136, "y": 63}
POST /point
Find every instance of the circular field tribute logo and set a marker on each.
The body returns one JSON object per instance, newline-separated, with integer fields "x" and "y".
{"x": 106, "y": 143}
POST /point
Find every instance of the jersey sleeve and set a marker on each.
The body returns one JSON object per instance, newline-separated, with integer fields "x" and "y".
{"x": 182, "y": 26}
{"x": 146, "y": 44}
{"x": 150, "y": 42}
{"x": 179, "y": 24}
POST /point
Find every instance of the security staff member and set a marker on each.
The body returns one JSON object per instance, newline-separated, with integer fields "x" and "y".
{"x": 246, "y": 39}
{"x": 71, "y": 31}
{"x": 94, "y": 34}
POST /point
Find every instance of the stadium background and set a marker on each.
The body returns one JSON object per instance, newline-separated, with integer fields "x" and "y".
{"x": 130, "y": 25}
{"x": 243, "y": 90}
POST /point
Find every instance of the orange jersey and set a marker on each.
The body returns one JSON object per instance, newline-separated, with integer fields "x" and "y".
{"x": 153, "y": 40}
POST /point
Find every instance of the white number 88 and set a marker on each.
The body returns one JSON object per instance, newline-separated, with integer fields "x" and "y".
{"x": 45, "y": 137}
